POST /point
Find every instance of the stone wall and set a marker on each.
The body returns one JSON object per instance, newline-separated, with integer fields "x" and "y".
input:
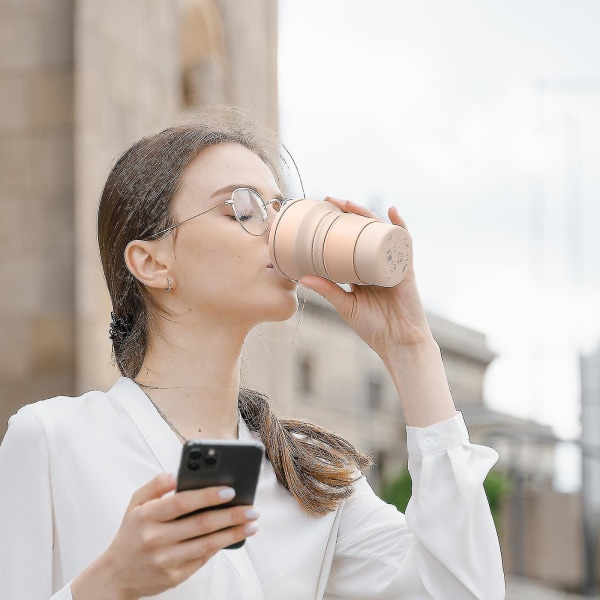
{"x": 127, "y": 85}
{"x": 36, "y": 202}
{"x": 541, "y": 538}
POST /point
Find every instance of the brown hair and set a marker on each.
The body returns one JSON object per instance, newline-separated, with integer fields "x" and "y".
{"x": 315, "y": 465}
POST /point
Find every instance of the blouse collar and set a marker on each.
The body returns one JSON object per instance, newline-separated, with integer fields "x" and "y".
{"x": 161, "y": 440}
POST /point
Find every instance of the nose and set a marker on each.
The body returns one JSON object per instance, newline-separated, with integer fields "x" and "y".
{"x": 273, "y": 207}
{"x": 270, "y": 218}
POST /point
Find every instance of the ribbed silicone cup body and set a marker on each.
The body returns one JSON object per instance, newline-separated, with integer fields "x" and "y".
{"x": 340, "y": 245}
{"x": 316, "y": 238}
{"x": 292, "y": 234}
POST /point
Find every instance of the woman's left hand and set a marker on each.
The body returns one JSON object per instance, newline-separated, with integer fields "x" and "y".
{"x": 385, "y": 318}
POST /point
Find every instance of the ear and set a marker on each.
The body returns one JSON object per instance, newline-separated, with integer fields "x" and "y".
{"x": 146, "y": 262}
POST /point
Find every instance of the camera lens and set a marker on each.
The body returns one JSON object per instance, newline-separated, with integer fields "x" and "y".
{"x": 193, "y": 465}
{"x": 210, "y": 461}
{"x": 195, "y": 454}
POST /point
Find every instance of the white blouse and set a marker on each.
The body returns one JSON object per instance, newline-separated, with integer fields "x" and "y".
{"x": 68, "y": 468}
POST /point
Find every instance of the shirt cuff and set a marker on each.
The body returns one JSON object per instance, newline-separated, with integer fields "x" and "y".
{"x": 438, "y": 437}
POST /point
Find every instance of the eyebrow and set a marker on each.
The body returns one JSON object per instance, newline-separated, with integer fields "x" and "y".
{"x": 229, "y": 189}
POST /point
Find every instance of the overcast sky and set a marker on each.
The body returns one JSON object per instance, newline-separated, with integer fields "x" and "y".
{"x": 441, "y": 109}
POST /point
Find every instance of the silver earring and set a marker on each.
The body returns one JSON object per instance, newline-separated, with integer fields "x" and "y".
{"x": 168, "y": 288}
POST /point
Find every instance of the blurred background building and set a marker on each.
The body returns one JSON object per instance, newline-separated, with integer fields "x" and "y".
{"x": 79, "y": 82}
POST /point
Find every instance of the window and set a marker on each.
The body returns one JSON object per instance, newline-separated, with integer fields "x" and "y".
{"x": 374, "y": 393}
{"x": 305, "y": 369}
{"x": 202, "y": 54}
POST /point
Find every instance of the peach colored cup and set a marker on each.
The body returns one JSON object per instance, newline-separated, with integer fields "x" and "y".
{"x": 310, "y": 237}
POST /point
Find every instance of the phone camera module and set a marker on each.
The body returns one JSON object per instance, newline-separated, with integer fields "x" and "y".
{"x": 211, "y": 458}
{"x": 195, "y": 454}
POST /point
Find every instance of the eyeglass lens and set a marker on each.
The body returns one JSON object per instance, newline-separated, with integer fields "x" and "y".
{"x": 250, "y": 211}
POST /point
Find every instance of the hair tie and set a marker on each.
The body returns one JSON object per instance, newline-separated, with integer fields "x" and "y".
{"x": 120, "y": 327}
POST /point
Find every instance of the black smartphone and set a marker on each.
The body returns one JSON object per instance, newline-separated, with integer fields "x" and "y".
{"x": 208, "y": 463}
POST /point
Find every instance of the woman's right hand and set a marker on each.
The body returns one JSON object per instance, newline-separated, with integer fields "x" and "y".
{"x": 154, "y": 551}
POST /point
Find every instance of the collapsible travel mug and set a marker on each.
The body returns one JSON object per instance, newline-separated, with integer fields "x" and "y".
{"x": 310, "y": 237}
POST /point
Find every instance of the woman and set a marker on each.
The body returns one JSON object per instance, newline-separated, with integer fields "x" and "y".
{"x": 86, "y": 509}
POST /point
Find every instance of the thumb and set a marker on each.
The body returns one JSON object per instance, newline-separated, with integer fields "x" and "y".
{"x": 154, "y": 489}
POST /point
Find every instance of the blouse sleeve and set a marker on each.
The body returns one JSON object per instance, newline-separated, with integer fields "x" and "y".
{"x": 446, "y": 546}
{"x": 26, "y": 522}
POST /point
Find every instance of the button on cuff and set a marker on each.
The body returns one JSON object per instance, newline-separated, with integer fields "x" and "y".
{"x": 437, "y": 438}
{"x": 429, "y": 442}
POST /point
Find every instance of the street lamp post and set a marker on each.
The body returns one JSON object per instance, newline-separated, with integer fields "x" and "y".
{"x": 576, "y": 257}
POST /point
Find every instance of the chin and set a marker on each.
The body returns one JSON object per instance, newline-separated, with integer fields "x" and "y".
{"x": 282, "y": 310}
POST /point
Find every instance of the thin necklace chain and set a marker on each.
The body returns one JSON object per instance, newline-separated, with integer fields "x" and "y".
{"x": 173, "y": 428}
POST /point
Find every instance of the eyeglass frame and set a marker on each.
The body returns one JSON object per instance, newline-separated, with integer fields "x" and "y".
{"x": 281, "y": 200}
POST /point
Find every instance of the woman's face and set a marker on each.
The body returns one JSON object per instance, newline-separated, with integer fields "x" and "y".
{"x": 218, "y": 268}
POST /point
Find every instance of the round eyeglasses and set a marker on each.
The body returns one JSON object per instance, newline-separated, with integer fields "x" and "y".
{"x": 249, "y": 209}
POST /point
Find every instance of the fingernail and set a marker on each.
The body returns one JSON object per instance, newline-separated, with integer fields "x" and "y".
{"x": 252, "y": 514}
{"x": 226, "y": 493}
{"x": 251, "y": 528}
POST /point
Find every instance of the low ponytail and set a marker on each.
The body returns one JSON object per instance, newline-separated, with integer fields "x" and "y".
{"x": 315, "y": 465}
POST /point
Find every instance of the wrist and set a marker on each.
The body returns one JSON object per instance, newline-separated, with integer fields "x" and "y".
{"x": 405, "y": 355}
{"x": 98, "y": 582}
{"x": 420, "y": 379}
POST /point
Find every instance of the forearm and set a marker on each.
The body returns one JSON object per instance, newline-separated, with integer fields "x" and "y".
{"x": 420, "y": 379}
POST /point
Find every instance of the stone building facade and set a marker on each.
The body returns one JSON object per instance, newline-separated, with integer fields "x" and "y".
{"x": 37, "y": 234}
{"x": 315, "y": 367}
{"x": 590, "y": 429}
{"x": 79, "y": 82}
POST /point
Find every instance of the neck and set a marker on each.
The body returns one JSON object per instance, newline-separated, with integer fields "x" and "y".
{"x": 192, "y": 375}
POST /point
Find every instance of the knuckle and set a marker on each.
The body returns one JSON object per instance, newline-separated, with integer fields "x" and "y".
{"x": 135, "y": 499}
{"x": 161, "y": 481}
{"x": 202, "y": 520}
{"x": 213, "y": 520}
{"x": 162, "y": 562}
{"x": 149, "y": 538}
{"x": 142, "y": 512}
{"x": 136, "y": 516}
{"x": 211, "y": 546}
{"x": 180, "y": 503}
{"x": 173, "y": 578}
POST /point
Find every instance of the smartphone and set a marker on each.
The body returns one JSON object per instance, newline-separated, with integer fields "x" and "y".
{"x": 208, "y": 463}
